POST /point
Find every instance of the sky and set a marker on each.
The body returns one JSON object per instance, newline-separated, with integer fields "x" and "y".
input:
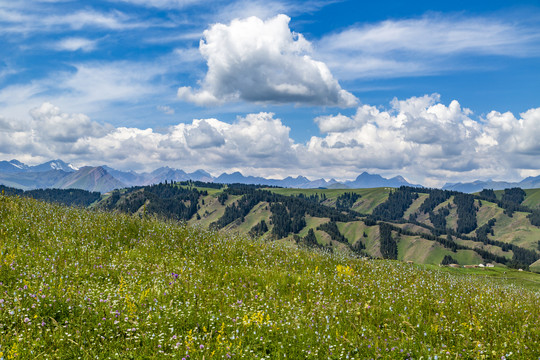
{"x": 435, "y": 91}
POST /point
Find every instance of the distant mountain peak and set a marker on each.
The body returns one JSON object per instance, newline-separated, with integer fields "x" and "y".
{"x": 12, "y": 166}
{"x": 54, "y": 165}
{"x": 18, "y": 164}
{"x": 367, "y": 180}
{"x": 90, "y": 178}
{"x": 365, "y": 174}
{"x": 202, "y": 173}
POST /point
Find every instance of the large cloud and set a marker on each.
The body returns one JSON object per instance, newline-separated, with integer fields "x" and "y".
{"x": 517, "y": 138}
{"x": 255, "y": 141}
{"x": 57, "y": 126}
{"x": 263, "y": 61}
{"x": 420, "y": 137}
{"x": 430, "y": 141}
{"x": 48, "y": 132}
{"x": 416, "y": 133}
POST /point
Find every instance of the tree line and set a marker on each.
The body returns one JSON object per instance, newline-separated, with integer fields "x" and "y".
{"x": 163, "y": 200}
{"x": 69, "y": 197}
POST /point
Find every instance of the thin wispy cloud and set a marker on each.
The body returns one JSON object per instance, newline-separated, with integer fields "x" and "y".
{"x": 26, "y": 22}
{"x": 165, "y": 109}
{"x": 424, "y": 45}
{"x": 161, "y": 4}
{"x": 75, "y": 44}
{"x": 93, "y": 87}
{"x": 114, "y": 20}
{"x": 267, "y": 9}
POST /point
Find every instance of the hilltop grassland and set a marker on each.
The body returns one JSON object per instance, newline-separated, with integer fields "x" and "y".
{"x": 532, "y": 198}
{"x": 370, "y": 197}
{"x": 85, "y": 284}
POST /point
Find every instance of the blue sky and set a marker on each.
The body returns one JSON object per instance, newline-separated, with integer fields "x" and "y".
{"x": 433, "y": 91}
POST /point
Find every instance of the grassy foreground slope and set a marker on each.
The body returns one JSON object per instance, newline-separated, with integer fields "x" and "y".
{"x": 81, "y": 284}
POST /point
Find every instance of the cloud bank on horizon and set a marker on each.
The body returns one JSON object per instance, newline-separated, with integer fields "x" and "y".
{"x": 125, "y": 86}
{"x": 419, "y": 135}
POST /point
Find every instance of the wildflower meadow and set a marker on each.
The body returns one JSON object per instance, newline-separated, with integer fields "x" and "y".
{"x": 81, "y": 284}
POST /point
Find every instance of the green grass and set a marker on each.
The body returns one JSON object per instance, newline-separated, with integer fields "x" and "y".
{"x": 212, "y": 210}
{"x": 312, "y": 223}
{"x": 85, "y": 284}
{"x": 370, "y": 198}
{"x": 444, "y": 204}
{"x": 209, "y": 190}
{"x": 502, "y": 275}
{"x": 415, "y": 205}
{"x": 451, "y": 219}
{"x": 416, "y": 249}
{"x": 487, "y": 211}
{"x": 258, "y": 213}
{"x": 532, "y": 199}
{"x": 535, "y": 266}
{"x": 491, "y": 248}
{"x": 517, "y": 230}
{"x": 423, "y": 251}
{"x": 354, "y": 231}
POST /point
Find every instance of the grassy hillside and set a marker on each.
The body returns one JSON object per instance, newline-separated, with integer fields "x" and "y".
{"x": 426, "y": 228}
{"x": 87, "y": 284}
{"x": 370, "y": 198}
{"x": 517, "y": 230}
{"x": 423, "y": 251}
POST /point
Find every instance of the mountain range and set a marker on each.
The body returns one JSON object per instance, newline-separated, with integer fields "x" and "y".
{"x": 61, "y": 175}
{"x": 475, "y": 186}
{"x": 15, "y": 166}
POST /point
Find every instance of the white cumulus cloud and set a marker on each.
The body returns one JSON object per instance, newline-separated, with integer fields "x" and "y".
{"x": 421, "y": 138}
{"x": 61, "y": 127}
{"x": 203, "y": 135}
{"x": 264, "y": 62}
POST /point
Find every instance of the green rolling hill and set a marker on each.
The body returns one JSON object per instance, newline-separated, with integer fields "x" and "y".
{"x": 426, "y": 224}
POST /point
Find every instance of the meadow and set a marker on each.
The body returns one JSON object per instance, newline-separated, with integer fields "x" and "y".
{"x": 83, "y": 284}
